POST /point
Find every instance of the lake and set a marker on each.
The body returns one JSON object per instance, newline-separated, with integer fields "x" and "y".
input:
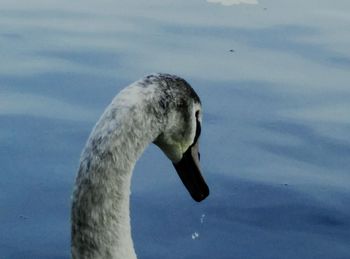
{"x": 273, "y": 77}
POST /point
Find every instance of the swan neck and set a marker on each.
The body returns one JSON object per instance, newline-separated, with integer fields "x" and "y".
{"x": 100, "y": 210}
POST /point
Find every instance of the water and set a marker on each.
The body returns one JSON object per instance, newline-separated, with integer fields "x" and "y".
{"x": 273, "y": 78}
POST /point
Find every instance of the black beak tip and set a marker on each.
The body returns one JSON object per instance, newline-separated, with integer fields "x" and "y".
{"x": 190, "y": 175}
{"x": 200, "y": 196}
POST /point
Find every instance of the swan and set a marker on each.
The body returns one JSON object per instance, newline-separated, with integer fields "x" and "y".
{"x": 160, "y": 108}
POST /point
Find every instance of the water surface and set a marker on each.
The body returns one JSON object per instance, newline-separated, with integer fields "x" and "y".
{"x": 273, "y": 78}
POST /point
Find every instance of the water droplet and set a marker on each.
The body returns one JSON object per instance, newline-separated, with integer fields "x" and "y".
{"x": 202, "y": 218}
{"x": 195, "y": 235}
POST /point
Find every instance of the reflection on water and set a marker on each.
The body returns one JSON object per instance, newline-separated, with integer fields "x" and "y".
{"x": 41, "y": 106}
{"x": 233, "y": 2}
{"x": 273, "y": 80}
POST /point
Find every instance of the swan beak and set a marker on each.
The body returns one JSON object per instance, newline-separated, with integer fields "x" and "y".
{"x": 189, "y": 171}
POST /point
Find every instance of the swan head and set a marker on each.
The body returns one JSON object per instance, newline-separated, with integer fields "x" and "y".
{"x": 179, "y": 139}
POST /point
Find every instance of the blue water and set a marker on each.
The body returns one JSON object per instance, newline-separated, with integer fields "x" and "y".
{"x": 274, "y": 82}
